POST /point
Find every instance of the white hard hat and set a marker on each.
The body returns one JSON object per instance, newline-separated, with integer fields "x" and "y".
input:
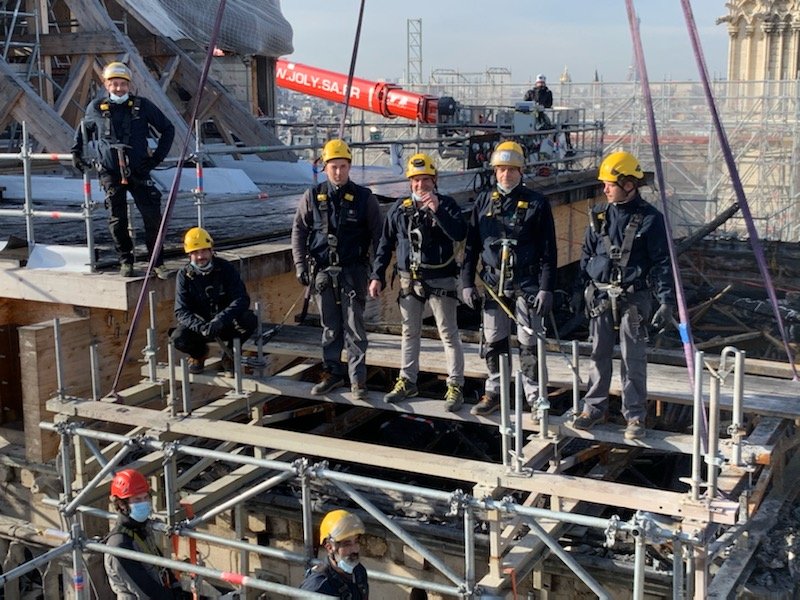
{"x": 541, "y": 77}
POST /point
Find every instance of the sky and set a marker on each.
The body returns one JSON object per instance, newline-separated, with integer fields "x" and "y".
{"x": 526, "y": 36}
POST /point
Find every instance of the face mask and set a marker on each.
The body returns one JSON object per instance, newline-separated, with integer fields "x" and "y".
{"x": 118, "y": 99}
{"x": 347, "y": 565}
{"x": 416, "y": 197}
{"x": 204, "y": 269}
{"x": 503, "y": 190}
{"x": 140, "y": 511}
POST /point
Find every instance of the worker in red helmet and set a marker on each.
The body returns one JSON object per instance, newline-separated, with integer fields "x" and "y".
{"x": 130, "y": 579}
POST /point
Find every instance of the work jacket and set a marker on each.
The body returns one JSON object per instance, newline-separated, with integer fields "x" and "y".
{"x": 523, "y": 217}
{"x": 349, "y": 213}
{"x": 541, "y": 95}
{"x": 131, "y": 579}
{"x": 424, "y": 239}
{"x": 648, "y": 264}
{"x": 128, "y": 123}
{"x": 200, "y": 297}
{"x": 327, "y": 580}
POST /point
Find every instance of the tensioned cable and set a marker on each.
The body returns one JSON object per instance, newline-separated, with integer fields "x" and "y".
{"x": 684, "y": 327}
{"x": 755, "y": 242}
{"x": 352, "y": 71}
{"x": 173, "y": 194}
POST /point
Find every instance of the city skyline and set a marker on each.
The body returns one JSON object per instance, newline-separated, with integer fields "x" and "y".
{"x": 586, "y": 36}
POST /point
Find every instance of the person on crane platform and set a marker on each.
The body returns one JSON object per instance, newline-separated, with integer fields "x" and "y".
{"x": 130, "y": 579}
{"x": 424, "y": 228}
{"x": 342, "y": 576}
{"x": 211, "y": 303}
{"x": 624, "y": 260}
{"x": 511, "y": 232}
{"x": 336, "y": 226}
{"x": 122, "y": 123}
{"x": 540, "y": 93}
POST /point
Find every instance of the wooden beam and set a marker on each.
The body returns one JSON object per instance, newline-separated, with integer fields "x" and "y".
{"x": 80, "y": 43}
{"x": 618, "y": 495}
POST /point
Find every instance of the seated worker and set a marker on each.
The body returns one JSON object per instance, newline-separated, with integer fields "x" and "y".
{"x": 211, "y": 303}
{"x": 132, "y": 579}
{"x": 540, "y": 93}
{"x": 342, "y": 576}
{"x": 424, "y": 229}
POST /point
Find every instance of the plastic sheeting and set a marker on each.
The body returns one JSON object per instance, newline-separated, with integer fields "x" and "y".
{"x": 248, "y": 26}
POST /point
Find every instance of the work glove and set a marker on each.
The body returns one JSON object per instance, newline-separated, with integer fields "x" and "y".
{"x": 663, "y": 317}
{"x": 302, "y": 275}
{"x": 577, "y": 302}
{"x": 213, "y": 328}
{"x": 470, "y": 297}
{"x": 543, "y": 302}
{"x": 79, "y": 163}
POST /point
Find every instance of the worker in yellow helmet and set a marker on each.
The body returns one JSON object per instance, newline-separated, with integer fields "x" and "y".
{"x": 121, "y": 124}
{"x": 624, "y": 262}
{"x": 335, "y": 229}
{"x": 342, "y": 575}
{"x": 512, "y": 234}
{"x": 211, "y": 303}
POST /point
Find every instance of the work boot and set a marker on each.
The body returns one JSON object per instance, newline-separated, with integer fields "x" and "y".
{"x": 328, "y": 383}
{"x": 196, "y": 365}
{"x": 126, "y": 270}
{"x": 586, "y": 421}
{"x": 635, "y": 430}
{"x": 453, "y": 397}
{"x": 402, "y": 390}
{"x": 359, "y": 391}
{"x": 487, "y": 405}
{"x": 162, "y": 272}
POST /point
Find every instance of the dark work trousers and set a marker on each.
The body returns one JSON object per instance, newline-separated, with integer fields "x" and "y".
{"x": 196, "y": 344}
{"x": 497, "y": 331}
{"x": 633, "y": 348}
{"x": 148, "y": 201}
{"x": 343, "y": 324}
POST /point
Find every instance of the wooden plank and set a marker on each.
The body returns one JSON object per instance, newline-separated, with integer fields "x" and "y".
{"x": 487, "y": 474}
{"x": 79, "y": 43}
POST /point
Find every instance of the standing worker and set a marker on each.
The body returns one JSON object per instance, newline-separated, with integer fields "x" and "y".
{"x": 122, "y": 122}
{"x": 424, "y": 229}
{"x": 336, "y": 225}
{"x": 624, "y": 253}
{"x": 342, "y": 575}
{"x": 211, "y": 303}
{"x": 511, "y": 231}
{"x": 131, "y": 579}
{"x": 540, "y": 93}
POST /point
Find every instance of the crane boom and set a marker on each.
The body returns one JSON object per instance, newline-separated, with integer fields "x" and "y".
{"x": 387, "y": 99}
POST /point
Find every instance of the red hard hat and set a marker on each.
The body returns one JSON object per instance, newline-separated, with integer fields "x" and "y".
{"x": 128, "y": 483}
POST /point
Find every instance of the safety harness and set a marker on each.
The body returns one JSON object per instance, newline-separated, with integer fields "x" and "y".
{"x": 415, "y": 225}
{"x": 513, "y": 225}
{"x": 619, "y": 257}
{"x": 145, "y": 544}
{"x": 134, "y": 105}
{"x": 334, "y": 268}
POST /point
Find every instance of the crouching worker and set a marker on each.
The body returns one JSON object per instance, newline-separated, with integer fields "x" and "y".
{"x": 424, "y": 228}
{"x": 131, "y": 579}
{"x": 342, "y": 576}
{"x": 211, "y": 303}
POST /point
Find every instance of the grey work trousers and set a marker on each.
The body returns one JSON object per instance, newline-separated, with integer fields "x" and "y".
{"x": 496, "y": 328}
{"x": 633, "y": 348}
{"x": 444, "y": 312}
{"x": 343, "y": 322}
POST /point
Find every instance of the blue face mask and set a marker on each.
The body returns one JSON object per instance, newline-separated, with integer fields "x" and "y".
{"x": 118, "y": 99}
{"x": 347, "y": 565}
{"x": 140, "y": 511}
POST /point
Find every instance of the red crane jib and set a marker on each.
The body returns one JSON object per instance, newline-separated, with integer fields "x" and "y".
{"x": 385, "y": 99}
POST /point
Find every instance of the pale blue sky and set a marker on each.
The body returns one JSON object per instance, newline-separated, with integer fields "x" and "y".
{"x": 527, "y": 36}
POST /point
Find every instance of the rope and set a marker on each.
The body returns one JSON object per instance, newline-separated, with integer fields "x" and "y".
{"x": 351, "y": 73}
{"x": 755, "y": 242}
{"x": 171, "y": 198}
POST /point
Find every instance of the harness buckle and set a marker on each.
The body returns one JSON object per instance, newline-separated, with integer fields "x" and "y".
{"x": 615, "y": 253}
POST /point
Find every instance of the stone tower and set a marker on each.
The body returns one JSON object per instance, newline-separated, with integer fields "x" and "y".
{"x": 764, "y": 39}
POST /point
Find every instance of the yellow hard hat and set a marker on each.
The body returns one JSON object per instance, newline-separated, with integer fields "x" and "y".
{"x": 336, "y": 149}
{"x": 508, "y": 154}
{"x": 197, "y": 238}
{"x": 619, "y": 164}
{"x": 116, "y": 70}
{"x": 420, "y": 164}
{"x": 340, "y": 525}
